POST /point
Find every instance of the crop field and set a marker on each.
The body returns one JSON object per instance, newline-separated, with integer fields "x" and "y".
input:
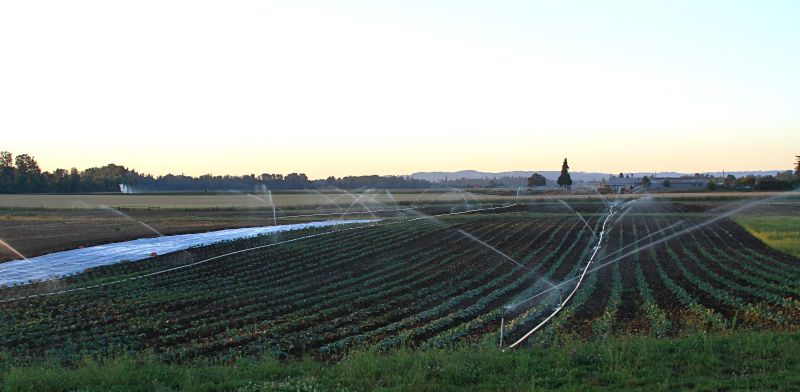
{"x": 780, "y": 232}
{"x": 296, "y": 199}
{"x": 38, "y": 232}
{"x": 39, "y": 224}
{"x": 240, "y": 200}
{"x": 420, "y": 281}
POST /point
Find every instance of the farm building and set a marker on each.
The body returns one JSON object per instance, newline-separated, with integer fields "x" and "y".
{"x": 618, "y": 184}
{"x": 685, "y": 183}
{"x": 679, "y": 183}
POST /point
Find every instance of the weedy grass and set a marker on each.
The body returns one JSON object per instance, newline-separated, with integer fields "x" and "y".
{"x": 733, "y": 361}
{"x": 779, "y": 232}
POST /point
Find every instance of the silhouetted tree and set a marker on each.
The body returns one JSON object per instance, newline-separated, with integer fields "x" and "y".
{"x": 536, "y": 179}
{"x": 6, "y": 159}
{"x": 621, "y": 175}
{"x": 26, "y": 176}
{"x": 7, "y": 172}
{"x": 646, "y": 182}
{"x": 770, "y": 183}
{"x": 797, "y": 167}
{"x": 493, "y": 183}
{"x": 666, "y": 183}
{"x": 74, "y": 180}
{"x": 786, "y": 176}
{"x": 747, "y": 181}
{"x": 729, "y": 181}
{"x": 28, "y": 173}
{"x": 564, "y": 179}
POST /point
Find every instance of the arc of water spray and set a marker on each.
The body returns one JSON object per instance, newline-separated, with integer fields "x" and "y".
{"x": 233, "y": 253}
{"x": 579, "y": 216}
{"x": 21, "y": 256}
{"x": 271, "y": 203}
{"x": 180, "y": 267}
{"x": 639, "y": 249}
{"x": 145, "y": 225}
{"x": 330, "y": 200}
{"x": 565, "y": 282}
{"x": 414, "y": 202}
{"x": 627, "y": 207}
{"x": 14, "y": 251}
{"x": 355, "y": 201}
{"x": 603, "y": 199}
{"x": 505, "y": 256}
{"x": 577, "y": 286}
{"x": 686, "y": 230}
{"x": 653, "y": 234}
{"x": 606, "y": 257}
{"x": 391, "y": 197}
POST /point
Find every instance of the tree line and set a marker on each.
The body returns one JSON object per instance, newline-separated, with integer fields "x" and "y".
{"x": 22, "y": 174}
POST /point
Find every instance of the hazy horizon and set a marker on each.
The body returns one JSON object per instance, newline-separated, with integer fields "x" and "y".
{"x": 354, "y": 87}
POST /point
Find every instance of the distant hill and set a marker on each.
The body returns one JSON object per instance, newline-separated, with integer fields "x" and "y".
{"x": 553, "y": 174}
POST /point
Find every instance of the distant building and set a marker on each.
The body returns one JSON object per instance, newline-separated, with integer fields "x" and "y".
{"x": 623, "y": 184}
{"x": 685, "y": 183}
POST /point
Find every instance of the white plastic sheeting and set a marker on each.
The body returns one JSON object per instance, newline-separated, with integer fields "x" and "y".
{"x": 78, "y": 260}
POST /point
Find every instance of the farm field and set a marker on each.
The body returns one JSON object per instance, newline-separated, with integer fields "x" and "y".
{"x": 325, "y": 199}
{"x": 38, "y": 224}
{"x": 37, "y": 232}
{"x": 419, "y": 282}
{"x": 780, "y": 232}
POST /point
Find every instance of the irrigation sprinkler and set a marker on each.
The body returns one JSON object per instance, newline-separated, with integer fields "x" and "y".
{"x": 240, "y": 251}
{"x": 139, "y": 222}
{"x": 14, "y": 251}
{"x": 577, "y": 286}
{"x": 634, "y": 251}
{"x": 579, "y": 216}
{"x": 502, "y": 324}
{"x": 492, "y": 248}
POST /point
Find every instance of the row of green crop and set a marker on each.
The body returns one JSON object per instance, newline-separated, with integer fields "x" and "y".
{"x": 765, "y": 301}
{"x": 544, "y": 306}
{"x": 145, "y": 318}
{"x": 291, "y": 327}
{"x": 233, "y": 334}
{"x": 81, "y": 321}
{"x": 480, "y": 314}
{"x": 426, "y": 319}
{"x": 142, "y": 292}
{"x": 748, "y": 270}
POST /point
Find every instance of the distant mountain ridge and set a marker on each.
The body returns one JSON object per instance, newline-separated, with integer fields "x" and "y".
{"x": 576, "y": 176}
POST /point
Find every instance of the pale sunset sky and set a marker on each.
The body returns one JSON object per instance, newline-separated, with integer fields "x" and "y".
{"x": 378, "y": 87}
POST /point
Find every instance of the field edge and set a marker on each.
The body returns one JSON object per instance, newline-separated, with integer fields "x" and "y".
{"x": 734, "y": 361}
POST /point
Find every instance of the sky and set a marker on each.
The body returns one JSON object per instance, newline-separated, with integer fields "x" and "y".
{"x": 378, "y": 87}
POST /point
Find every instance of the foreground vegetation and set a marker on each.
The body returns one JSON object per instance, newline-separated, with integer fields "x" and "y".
{"x": 737, "y": 361}
{"x": 779, "y": 232}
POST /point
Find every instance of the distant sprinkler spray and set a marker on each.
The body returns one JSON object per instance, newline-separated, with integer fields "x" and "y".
{"x": 14, "y": 251}
{"x": 271, "y": 203}
{"x": 579, "y": 216}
